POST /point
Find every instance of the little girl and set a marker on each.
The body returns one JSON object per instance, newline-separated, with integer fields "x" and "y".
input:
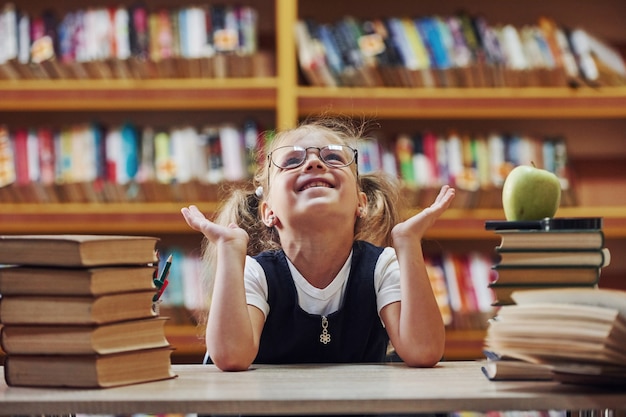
{"x": 314, "y": 265}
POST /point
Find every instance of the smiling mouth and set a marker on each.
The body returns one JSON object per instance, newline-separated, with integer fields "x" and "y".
{"x": 316, "y": 184}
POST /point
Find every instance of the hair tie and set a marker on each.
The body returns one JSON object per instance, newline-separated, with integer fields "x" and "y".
{"x": 259, "y": 191}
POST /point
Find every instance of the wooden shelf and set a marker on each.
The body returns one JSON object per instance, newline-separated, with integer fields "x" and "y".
{"x": 162, "y": 94}
{"x": 124, "y": 218}
{"x": 470, "y": 223}
{"x": 464, "y": 345}
{"x": 140, "y": 218}
{"x": 186, "y": 339}
{"x": 492, "y": 103}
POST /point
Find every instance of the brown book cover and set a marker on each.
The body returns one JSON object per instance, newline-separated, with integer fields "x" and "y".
{"x": 89, "y": 371}
{"x": 22, "y": 280}
{"x": 77, "y": 250}
{"x": 551, "y": 239}
{"x": 525, "y": 276}
{"x": 593, "y": 258}
{"x": 84, "y": 340}
{"x": 34, "y": 309}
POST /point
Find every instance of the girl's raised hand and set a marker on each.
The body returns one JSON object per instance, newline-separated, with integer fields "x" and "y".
{"x": 215, "y": 233}
{"x": 416, "y": 226}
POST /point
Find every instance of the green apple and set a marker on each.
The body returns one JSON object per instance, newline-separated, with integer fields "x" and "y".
{"x": 530, "y": 193}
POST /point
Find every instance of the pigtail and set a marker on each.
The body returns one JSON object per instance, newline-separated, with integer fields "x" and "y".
{"x": 384, "y": 207}
{"x": 242, "y": 208}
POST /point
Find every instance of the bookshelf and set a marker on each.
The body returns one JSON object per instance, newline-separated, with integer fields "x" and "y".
{"x": 592, "y": 119}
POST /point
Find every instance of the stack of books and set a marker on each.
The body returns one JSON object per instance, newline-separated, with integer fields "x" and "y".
{"x": 550, "y": 253}
{"x": 578, "y": 334}
{"x": 77, "y": 311}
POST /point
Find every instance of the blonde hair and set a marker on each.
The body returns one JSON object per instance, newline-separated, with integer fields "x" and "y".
{"x": 384, "y": 202}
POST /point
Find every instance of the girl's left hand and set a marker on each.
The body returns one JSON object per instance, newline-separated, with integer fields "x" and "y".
{"x": 416, "y": 226}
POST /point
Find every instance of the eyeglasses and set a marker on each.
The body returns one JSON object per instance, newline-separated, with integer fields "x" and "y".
{"x": 334, "y": 156}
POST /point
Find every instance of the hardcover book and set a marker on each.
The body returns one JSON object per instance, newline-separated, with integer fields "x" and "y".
{"x": 89, "y": 371}
{"x": 22, "y": 280}
{"x": 550, "y": 240}
{"x": 593, "y": 258}
{"x": 109, "y": 308}
{"x": 546, "y": 275}
{"x": 502, "y": 368}
{"x": 77, "y": 250}
{"x": 84, "y": 340}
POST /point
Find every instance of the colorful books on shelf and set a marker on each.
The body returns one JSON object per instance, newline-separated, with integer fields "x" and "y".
{"x": 460, "y": 283}
{"x": 93, "y": 162}
{"x": 554, "y": 252}
{"x": 458, "y": 50}
{"x": 579, "y": 333}
{"x": 129, "y": 163}
{"x": 142, "y": 42}
{"x": 475, "y": 164}
{"x": 78, "y": 311}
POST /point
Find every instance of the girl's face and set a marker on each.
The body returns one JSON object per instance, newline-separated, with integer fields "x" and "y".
{"x": 315, "y": 187}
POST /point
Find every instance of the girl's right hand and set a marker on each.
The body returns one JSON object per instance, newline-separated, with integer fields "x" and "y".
{"x": 215, "y": 233}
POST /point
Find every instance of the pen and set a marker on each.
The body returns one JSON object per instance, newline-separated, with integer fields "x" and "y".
{"x": 161, "y": 282}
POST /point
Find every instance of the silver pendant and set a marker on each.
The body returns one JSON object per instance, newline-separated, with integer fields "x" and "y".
{"x": 325, "y": 336}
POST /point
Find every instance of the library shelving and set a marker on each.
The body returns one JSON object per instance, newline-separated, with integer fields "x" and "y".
{"x": 592, "y": 119}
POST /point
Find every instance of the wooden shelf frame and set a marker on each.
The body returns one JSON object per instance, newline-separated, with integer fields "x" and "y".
{"x": 165, "y": 218}
{"x": 479, "y": 103}
{"x": 144, "y": 95}
{"x": 265, "y": 93}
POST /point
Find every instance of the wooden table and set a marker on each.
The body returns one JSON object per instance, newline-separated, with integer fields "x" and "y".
{"x": 314, "y": 389}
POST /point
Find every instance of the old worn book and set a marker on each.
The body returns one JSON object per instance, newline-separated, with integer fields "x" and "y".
{"x": 515, "y": 370}
{"x": 577, "y": 328}
{"x": 548, "y": 331}
{"x": 77, "y": 250}
{"x": 91, "y": 339}
{"x": 89, "y": 371}
{"x": 502, "y": 368}
{"x": 530, "y": 275}
{"x": 23, "y": 280}
{"x": 503, "y": 293}
{"x": 593, "y": 258}
{"x": 551, "y": 239}
{"x": 590, "y": 374}
{"x": 109, "y": 308}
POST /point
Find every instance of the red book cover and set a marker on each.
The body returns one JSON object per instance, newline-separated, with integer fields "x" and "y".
{"x": 20, "y": 151}
{"x": 47, "y": 170}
